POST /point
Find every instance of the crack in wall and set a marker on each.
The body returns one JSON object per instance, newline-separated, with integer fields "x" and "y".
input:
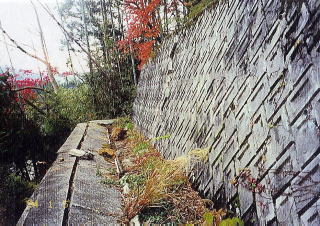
{"x": 71, "y": 181}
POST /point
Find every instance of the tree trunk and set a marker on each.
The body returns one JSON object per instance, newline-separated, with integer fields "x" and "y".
{"x": 166, "y": 23}
{"x": 104, "y": 25}
{"x": 45, "y": 52}
{"x": 87, "y": 36}
{"x": 67, "y": 40}
{"x": 133, "y": 67}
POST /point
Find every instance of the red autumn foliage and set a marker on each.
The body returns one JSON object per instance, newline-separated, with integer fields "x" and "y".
{"x": 143, "y": 28}
{"x": 24, "y": 81}
{"x": 66, "y": 73}
{"x": 18, "y": 81}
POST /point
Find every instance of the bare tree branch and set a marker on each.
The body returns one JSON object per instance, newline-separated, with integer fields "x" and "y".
{"x": 68, "y": 34}
{"x": 30, "y": 87}
{"x": 6, "y": 44}
{"x": 19, "y": 47}
{"x": 27, "y": 53}
{"x": 45, "y": 51}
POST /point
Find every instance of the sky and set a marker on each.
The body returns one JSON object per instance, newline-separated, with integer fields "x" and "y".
{"x": 19, "y": 21}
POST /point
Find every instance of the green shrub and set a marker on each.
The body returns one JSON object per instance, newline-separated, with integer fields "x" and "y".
{"x": 74, "y": 104}
{"x": 62, "y": 111}
{"x": 13, "y": 192}
{"x": 112, "y": 91}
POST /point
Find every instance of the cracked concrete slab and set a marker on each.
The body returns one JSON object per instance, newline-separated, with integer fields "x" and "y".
{"x": 71, "y": 193}
{"x": 92, "y": 202}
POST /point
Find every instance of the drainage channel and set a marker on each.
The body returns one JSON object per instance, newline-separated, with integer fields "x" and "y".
{"x": 71, "y": 181}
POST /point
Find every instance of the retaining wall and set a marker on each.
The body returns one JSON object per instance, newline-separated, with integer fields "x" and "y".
{"x": 245, "y": 82}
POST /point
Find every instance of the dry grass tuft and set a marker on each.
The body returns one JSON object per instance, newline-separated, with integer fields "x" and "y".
{"x": 188, "y": 205}
{"x": 107, "y": 152}
{"x": 118, "y": 133}
{"x": 159, "y": 185}
{"x": 200, "y": 154}
{"x": 165, "y": 183}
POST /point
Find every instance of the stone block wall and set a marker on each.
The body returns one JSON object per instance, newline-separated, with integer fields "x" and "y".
{"x": 244, "y": 81}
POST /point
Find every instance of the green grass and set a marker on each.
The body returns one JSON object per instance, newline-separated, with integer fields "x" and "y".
{"x": 134, "y": 180}
{"x": 141, "y": 148}
{"x": 124, "y": 123}
{"x": 110, "y": 182}
{"x": 197, "y": 9}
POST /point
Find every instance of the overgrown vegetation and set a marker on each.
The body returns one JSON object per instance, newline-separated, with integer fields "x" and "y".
{"x": 33, "y": 125}
{"x": 61, "y": 111}
{"x": 95, "y": 27}
{"x": 158, "y": 190}
{"x": 14, "y": 189}
{"x": 165, "y": 186}
{"x": 196, "y": 8}
{"x": 74, "y": 104}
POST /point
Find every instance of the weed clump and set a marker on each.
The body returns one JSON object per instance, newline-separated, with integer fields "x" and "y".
{"x": 158, "y": 191}
{"x": 118, "y": 133}
{"x": 107, "y": 151}
{"x": 110, "y": 182}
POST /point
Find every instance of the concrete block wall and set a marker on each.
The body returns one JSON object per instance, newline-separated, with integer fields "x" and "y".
{"x": 244, "y": 81}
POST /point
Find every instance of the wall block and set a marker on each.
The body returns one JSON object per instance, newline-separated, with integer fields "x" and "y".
{"x": 244, "y": 81}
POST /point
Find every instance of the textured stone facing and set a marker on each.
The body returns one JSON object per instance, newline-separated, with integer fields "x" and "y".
{"x": 244, "y": 81}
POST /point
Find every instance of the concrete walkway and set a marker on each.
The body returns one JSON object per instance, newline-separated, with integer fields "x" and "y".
{"x": 71, "y": 192}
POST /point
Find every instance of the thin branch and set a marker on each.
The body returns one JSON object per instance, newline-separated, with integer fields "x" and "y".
{"x": 34, "y": 106}
{"x": 30, "y": 87}
{"x": 19, "y": 47}
{"x": 69, "y": 35}
{"x": 45, "y": 51}
{"x": 23, "y": 50}
{"x": 6, "y": 44}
